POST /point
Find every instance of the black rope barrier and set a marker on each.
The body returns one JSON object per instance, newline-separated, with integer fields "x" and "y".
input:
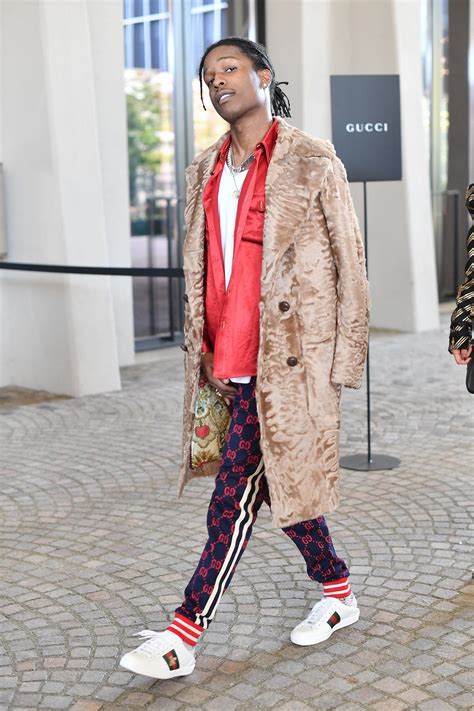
{"x": 108, "y": 271}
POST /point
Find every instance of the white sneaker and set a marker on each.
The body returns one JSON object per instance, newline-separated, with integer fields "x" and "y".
{"x": 327, "y": 616}
{"x": 163, "y": 656}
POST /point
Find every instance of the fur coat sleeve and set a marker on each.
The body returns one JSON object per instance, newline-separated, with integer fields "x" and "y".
{"x": 352, "y": 287}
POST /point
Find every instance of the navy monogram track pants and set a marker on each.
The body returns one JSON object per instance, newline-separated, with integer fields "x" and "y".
{"x": 240, "y": 490}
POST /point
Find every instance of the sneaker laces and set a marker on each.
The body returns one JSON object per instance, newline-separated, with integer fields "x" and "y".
{"x": 156, "y": 642}
{"x": 320, "y": 611}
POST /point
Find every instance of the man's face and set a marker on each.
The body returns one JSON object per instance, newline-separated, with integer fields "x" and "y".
{"x": 235, "y": 88}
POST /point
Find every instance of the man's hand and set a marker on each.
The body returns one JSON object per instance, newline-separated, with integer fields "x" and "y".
{"x": 222, "y": 386}
{"x": 462, "y": 357}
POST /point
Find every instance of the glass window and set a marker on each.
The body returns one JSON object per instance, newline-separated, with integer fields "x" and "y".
{"x": 209, "y": 28}
{"x": 138, "y": 8}
{"x": 206, "y": 27}
{"x": 201, "y": 3}
{"x": 155, "y": 126}
{"x": 138, "y": 45}
{"x": 158, "y": 6}
{"x": 159, "y": 44}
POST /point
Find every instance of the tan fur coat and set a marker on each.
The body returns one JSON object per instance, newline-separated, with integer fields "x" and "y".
{"x": 313, "y": 259}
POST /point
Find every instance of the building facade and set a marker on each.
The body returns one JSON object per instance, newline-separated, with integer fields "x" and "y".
{"x": 100, "y": 114}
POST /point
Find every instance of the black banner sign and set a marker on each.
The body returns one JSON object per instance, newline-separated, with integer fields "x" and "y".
{"x": 366, "y": 125}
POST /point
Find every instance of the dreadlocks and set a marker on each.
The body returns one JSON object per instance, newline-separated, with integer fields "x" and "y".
{"x": 260, "y": 60}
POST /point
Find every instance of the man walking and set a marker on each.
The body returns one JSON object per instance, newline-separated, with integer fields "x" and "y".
{"x": 277, "y": 320}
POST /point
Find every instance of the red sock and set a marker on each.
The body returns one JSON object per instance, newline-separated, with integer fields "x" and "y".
{"x": 337, "y": 588}
{"x": 187, "y": 630}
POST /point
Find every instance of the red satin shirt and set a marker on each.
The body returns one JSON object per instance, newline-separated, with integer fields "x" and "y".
{"x": 232, "y": 316}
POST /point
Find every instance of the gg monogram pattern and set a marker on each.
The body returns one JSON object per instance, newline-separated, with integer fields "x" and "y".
{"x": 240, "y": 490}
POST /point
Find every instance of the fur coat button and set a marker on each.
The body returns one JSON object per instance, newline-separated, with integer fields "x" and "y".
{"x": 186, "y": 299}
{"x": 184, "y": 347}
{"x": 284, "y": 306}
{"x": 292, "y": 361}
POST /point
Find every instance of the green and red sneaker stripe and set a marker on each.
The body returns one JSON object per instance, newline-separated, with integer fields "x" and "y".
{"x": 334, "y": 619}
{"x": 171, "y": 658}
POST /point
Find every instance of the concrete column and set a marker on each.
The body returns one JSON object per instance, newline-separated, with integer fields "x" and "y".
{"x": 63, "y": 146}
{"x": 366, "y": 37}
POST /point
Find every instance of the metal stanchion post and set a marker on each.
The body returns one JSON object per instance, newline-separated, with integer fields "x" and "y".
{"x": 368, "y": 462}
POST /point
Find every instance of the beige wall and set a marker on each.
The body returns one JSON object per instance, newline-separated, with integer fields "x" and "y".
{"x": 64, "y": 150}
{"x": 309, "y": 40}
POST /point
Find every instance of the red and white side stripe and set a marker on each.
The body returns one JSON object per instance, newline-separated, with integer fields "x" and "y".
{"x": 190, "y": 631}
{"x": 186, "y": 629}
{"x": 337, "y": 588}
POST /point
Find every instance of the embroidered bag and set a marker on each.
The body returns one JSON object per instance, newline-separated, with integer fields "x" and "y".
{"x": 211, "y": 423}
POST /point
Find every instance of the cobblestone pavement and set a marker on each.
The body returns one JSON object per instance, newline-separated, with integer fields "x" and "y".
{"x": 95, "y": 547}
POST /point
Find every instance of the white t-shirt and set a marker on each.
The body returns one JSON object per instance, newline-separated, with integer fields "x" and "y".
{"x": 228, "y": 204}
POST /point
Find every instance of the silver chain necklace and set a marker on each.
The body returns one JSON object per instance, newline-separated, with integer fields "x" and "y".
{"x": 234, "y": 170}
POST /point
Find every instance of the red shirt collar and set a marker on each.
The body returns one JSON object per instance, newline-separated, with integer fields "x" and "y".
{"x": 266, "y": 144}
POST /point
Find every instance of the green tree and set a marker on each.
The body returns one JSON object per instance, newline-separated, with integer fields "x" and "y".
{"x": 144, "y": 118}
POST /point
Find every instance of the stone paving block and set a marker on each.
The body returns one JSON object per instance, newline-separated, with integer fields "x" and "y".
{"x": 92, "y": 677}
{"x": 52, "y": 687}
{"x": 305, "y": 692}
{"x": 364, "y": 677}
{"x": 82, "y": 689}
{"x": 293, "y": 706}
{"x": 378, "y": 644}
{"x": 243, "y": 691}
{"x": 443, "y": 689}
{"x": 446, "y": 669}
{"x": 445, "y": 651}
{"x": 221, "y": 702}
{"x": 280, "y": 681}
{"x": 164, "y": 705}
{"x": 86, "y": 705}
{"x": 54, "y": 662}
{"x": 326, "y": 701}
{"x": 422, "y": 644}
{"x": 288, "y": 667}
{"x": 435, "y": 705}
{"x": 108, "y": 693}
{"x": 29, "y": 700}
{"x": 424, "y": 661}
{"x": 390, "y": 705}
{"x": 29, "y": 686}
{"x": 55, "y": 702}
{"x": 419, "y": 677}
{"x": 364, "y": 695}
{"x": 78, "y": 664}
{"x": 314, "y": 676}
{"x": 389, "y": 685}
{"x": 338, "y": 684}
{"x": 345, "y": 668}
{"x": 465, "y": 678}
{"x": 413, "y": 696}
{"x": 463, "y": 701}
